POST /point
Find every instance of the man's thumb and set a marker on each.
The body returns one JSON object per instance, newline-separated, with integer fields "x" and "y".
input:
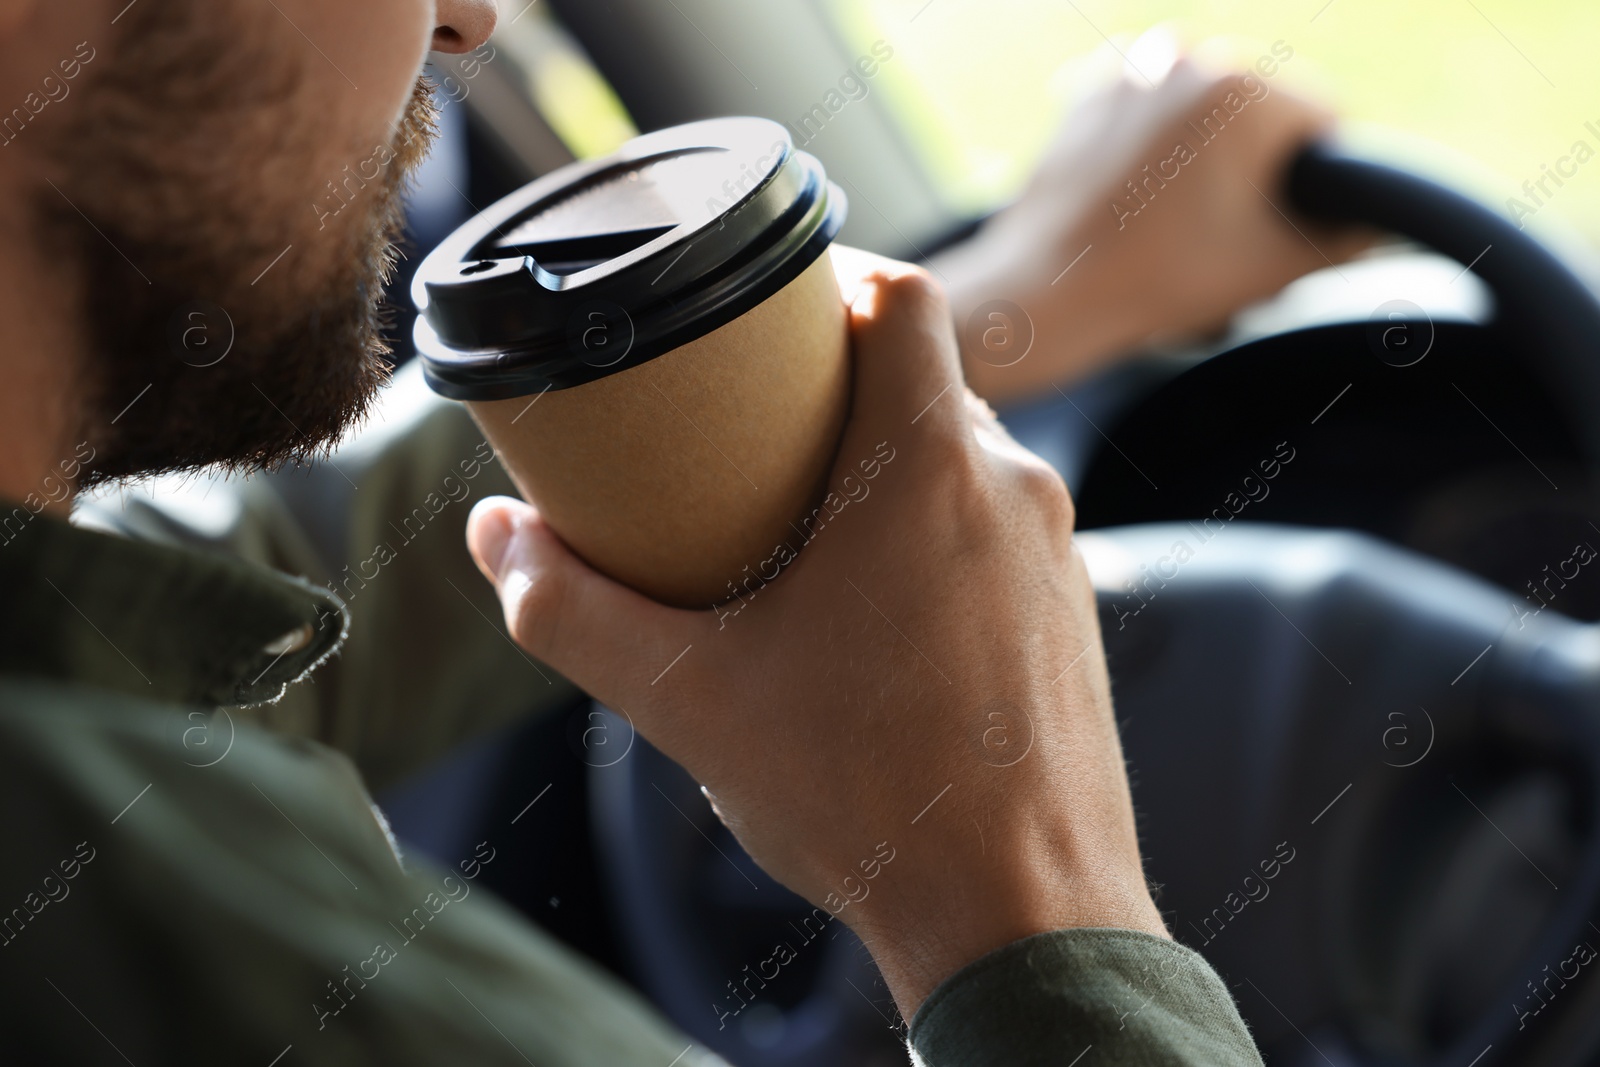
{"x": 606, "y": 638}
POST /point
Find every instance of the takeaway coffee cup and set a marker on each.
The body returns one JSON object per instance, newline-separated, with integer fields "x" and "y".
{"x": 655, "y": 345}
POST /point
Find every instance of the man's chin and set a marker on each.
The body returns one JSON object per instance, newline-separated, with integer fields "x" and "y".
{"x": 225, "y": 323}
{"x": 199, "y": 366}
{"x": 260, "y": 406}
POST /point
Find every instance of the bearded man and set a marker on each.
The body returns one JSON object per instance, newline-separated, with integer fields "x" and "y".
{"x": 184, "y": 884}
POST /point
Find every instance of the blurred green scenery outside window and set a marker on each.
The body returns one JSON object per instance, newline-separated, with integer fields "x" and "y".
{"x": 1501, "y": 97}
{"x": 564, "y": 85}
{"x": 1492, "y": 93}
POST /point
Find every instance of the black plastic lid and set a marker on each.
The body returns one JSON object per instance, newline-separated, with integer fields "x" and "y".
{"x": 606, "y": 264}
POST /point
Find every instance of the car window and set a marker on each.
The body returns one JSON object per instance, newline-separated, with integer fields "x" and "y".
{"x": 1493, "y": 92}
{"x": 574, "y": 98}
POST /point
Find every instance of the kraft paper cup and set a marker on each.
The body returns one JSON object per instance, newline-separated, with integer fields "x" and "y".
{"x": 656, "y": 347}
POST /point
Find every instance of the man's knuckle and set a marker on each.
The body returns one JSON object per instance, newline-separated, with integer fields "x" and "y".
{"x": 533, "y": 610}
{"x": 915, "y": 289}
{"x": 1045, "y": 488}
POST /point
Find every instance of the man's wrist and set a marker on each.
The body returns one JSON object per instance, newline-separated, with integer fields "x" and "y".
{"x": 919, "y": 941}
{"x": 1067, "y": 318}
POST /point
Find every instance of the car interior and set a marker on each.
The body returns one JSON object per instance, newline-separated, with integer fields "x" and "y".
{"x": 1361, "y": 729}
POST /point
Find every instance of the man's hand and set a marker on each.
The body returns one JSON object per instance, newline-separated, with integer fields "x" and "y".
{"x": 910, "y": 726}
{"x": 1157, "y": 213}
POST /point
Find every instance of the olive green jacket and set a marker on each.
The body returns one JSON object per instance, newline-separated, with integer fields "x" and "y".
{"x": 194, "y": 870}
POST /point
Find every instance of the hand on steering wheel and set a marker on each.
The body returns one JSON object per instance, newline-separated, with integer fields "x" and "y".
{"x": 1155, "y": 214}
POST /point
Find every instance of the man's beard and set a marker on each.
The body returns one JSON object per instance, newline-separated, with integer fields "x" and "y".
{"x": 172, "y": 196}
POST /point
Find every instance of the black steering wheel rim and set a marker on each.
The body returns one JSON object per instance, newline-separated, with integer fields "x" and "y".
{"x": 1536, "y": 298}
{"x": 1554, "y": 319}
{"x": 1536, "y": 294}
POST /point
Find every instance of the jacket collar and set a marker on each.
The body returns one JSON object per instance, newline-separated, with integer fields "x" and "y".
{"x": 163, "y": 623}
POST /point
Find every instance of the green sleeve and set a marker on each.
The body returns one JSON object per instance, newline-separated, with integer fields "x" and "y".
{"x": 1132, "y": 998}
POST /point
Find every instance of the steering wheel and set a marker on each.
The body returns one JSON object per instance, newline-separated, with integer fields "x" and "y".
{"x": 1363, "y": 732}
{"x": 1423, "y": 744}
